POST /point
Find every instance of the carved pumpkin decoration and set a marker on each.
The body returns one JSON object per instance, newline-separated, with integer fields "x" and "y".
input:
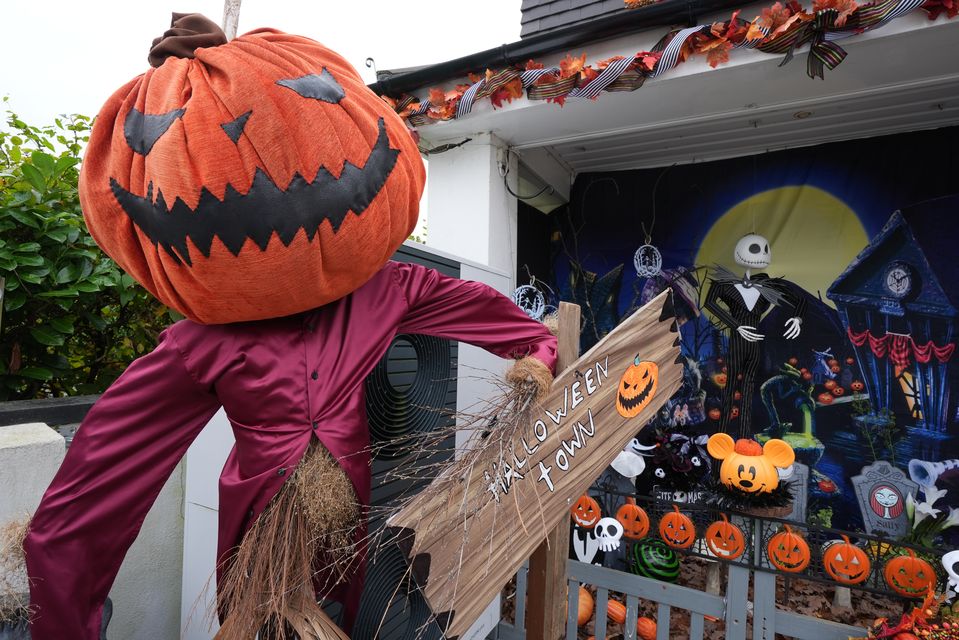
{"x": 646, "y": 628}
{"x": 258, "y": 179}
{"x": 616, "y": 611}
{"x": 634, "y": 519}
{"x": 788, "y": 551}
{"x": 747, "y": 465}
{"x": 829, "y": 384}
{"x": 637, "y": 387}
{"x": 838, "y": 391}
{"x": 677, "y": 530}
{"x": 909, "y": 576}
{"x": 715, "y": 414}
{"x": 846, "y": 563}
{"x": 720, "y": 379}
{"x": 824, "y": 398}
{"x": 724, "y": 539}
{"x": 835, "y": 368}
{"x": 857, "y": 386}
{"x": 585, "y": 512}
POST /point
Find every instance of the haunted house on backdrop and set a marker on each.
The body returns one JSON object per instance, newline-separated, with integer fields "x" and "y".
{"x": 898, "y": 301}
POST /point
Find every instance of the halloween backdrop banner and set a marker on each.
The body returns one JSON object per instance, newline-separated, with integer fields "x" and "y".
{"x": 871, "y": 376}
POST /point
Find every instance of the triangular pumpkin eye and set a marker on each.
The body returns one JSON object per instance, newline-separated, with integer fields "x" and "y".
{"x": 142, "y": 130}
{"x": 839, "y": 557}
{"x": 319, "y": 87}
{"x": 234, "y": 128}
{"x": 854, "y": 561}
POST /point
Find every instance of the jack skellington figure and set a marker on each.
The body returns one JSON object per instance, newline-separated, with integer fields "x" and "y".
{"x": 740, "y": 303}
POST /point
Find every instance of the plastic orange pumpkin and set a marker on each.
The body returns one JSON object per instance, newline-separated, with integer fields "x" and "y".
{"x": 585, "y": 512}
{"x": 909, "y": 576}
{"x": 788, "y": 551}
{"x": 586, "y": 604}
{"x": 258, "y": 179}
{"x": 724, "y": 539}
{"x": 747, "y": 465}
{"x": 846, "y": 563}
{"x": 646, "y": 628}
{"x": 616, "y": 611}
{"x": 634, "y": 519}
{"x": 677, "y": 530}
{"x": 637, "y": 387}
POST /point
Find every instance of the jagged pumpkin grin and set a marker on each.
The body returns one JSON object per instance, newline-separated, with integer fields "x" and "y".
{"x": 266, "y": 208}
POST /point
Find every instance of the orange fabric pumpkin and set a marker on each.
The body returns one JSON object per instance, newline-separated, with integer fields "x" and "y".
{"x": 846, "y": 563}
{"x": 616, "y": 611}
{"x": 909, "y": 576}
{"x": 788, "y": 551}
{"x": 637, "y": 387}
{"x": 677, "y": 530}
{"x": 585, "y": 512}
{"x": 259, "y": 179}
{"x": 634, "y": 519}
{"x": 646, "y": 628}
{"x": 724, "y": 539}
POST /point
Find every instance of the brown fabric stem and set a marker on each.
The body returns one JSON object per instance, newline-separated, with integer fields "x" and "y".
{"x": 187, "y": 33}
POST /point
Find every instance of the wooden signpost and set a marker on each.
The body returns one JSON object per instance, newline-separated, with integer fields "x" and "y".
{"x": 465, "y": 538}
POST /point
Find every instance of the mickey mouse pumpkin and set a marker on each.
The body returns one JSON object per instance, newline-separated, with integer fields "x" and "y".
{"x": 185, "y": 186}
{"x": 747, "y": 465}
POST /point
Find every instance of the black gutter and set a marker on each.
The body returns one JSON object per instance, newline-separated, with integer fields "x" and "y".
{"x": 666, "y": 13}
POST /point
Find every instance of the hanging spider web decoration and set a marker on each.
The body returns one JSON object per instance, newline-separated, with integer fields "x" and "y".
{"x": 648, "y": 261}
{"x": 531, "y": 300}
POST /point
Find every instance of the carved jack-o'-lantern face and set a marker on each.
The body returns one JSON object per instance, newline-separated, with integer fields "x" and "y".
{"x": 788, "y": 551}
{"x": 846, "y": 563}
{"x": 747, "y": 466}
{"x": 910, "y": 576}
{"x": 637, "y": 387}
{"x": 585, "y": 512}
{"x": 634, "y": 519}
{"x": 259, "y": 179}
{"x": 677, "y": 530}
{"x": 725, "y": 539}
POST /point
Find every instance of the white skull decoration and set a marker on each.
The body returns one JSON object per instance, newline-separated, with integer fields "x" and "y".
{"x": 950, "y": 562}
{"x": 752, "y": 252}
{"x": 608, "y": 532}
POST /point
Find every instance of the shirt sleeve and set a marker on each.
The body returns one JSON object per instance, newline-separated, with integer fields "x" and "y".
{"x": 123, "y": 452}
{"x": 472, "y": 312}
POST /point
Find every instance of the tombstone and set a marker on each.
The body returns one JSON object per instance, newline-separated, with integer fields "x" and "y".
{"x": 882, "y": 491}
{"x": 799, "y": 488}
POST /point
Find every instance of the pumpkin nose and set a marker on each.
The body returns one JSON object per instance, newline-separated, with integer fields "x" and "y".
{"x": 746, "y": 484}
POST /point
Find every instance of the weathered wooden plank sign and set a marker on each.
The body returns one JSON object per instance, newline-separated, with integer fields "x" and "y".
{"x": 465, "y": 538}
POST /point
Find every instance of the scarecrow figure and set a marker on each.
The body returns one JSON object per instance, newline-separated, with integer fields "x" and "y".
{"x": 740, "y": 303}
{"x": 259, "y": 188}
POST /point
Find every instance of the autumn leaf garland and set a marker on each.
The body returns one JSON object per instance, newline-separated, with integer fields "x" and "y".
{"x": 779, "y": 28}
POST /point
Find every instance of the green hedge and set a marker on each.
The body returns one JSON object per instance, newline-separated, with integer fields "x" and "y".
{"x": 71, "y": 320}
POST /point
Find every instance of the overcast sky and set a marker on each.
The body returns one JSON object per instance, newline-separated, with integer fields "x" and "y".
{"x": 64, "y": 56}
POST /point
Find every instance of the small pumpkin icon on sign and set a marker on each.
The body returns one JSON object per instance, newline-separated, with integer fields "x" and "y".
{"x": 637, "y": 387}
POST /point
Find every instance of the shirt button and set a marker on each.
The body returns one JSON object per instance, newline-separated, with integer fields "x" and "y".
{"x": 314, "y": 375}
{"x": 281, "y": 472}
{"x": 315, "y": 424}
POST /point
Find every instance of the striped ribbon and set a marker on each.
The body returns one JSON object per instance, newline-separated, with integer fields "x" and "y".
{"x": 671, "y": 55}
{"x": 603, "y": 80}
{"x": 484, "y": 88}
{"x": 823, "y": 52}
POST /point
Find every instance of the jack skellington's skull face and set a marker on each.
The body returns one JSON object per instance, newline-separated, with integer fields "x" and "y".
{"x": 752, "y": 252}
{"x": 608, "y": 532}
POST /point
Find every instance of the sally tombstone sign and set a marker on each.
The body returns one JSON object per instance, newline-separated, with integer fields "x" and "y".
{"x": 468, "y": 532}
{"x": 882, "y": 491}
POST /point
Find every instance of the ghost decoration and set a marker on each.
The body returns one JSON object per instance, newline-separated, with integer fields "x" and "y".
{"x": 950, "y": 562}
{"x": 608, "y": 533}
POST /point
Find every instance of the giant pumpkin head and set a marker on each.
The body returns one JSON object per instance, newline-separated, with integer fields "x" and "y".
{"x": 253, "y": 179}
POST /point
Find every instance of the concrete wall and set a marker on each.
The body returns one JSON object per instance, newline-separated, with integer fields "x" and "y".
{"x": 146, "y": 593}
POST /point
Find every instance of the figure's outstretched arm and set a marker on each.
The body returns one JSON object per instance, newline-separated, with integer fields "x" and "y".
{"x": 123, "y": 453}
{"x": 472, "y": 312}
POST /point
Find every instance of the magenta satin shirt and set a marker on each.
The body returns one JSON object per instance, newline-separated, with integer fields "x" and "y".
{"x": 280, "y": 381}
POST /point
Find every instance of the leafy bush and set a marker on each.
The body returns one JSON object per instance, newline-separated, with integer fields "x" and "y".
{"x": 71, "y": 320}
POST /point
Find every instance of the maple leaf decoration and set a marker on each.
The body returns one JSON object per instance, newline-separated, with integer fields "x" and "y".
{"x": 844, "y": 7}
{"x": 638, "y": 4}
{"x": 509, "y": 91}
{"x": 935, "y": 8}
